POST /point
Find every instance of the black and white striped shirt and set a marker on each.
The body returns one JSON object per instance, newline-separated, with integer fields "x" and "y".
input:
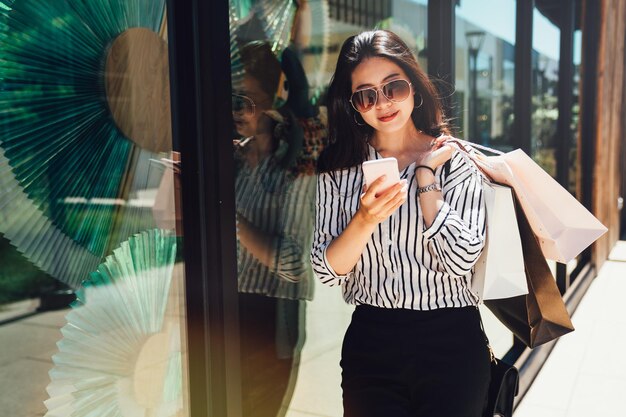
{"x": 281, "y": 207}
{"x": 405, "y": 265}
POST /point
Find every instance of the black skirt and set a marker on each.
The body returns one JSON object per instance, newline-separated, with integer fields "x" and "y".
{"x": 398, "y": 362}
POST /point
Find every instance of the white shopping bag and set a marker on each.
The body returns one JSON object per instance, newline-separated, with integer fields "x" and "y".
{"x": 499, "y": 272}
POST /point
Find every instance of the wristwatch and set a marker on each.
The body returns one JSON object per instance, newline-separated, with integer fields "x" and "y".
{"x": 430, "y": 187}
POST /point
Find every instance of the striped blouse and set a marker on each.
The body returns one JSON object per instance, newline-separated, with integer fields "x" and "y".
{"x": 281, "y": 207}
{"x": 405, "y": 264}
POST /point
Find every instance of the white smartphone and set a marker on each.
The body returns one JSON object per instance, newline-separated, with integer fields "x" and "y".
{"x": 374, "y": 169}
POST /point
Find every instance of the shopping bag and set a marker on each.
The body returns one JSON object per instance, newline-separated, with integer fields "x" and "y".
{"x": 167, "y": 210}
{"x": 540, "y": 316}
{"x": 562, "y": 224}
{"x": 499, "y": 271}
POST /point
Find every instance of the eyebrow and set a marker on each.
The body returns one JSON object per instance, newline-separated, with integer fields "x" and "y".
{"x": 395, "y": 74}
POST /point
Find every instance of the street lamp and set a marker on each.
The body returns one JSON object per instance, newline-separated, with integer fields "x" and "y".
{"x": 474, "y": 42}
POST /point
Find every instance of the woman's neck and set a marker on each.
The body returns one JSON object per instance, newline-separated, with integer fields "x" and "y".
{"x": 409, "y": 139}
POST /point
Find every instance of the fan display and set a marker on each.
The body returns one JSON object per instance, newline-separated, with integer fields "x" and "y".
{"x": 276, "y": 18}
{"x": 121, "y": 349}
{"x": 84, "y": 107}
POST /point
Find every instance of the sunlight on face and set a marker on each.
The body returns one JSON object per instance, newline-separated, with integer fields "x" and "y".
{"x": 386, "y": 116}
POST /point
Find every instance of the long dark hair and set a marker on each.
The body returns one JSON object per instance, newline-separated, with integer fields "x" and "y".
{"x": 347, "y": 145}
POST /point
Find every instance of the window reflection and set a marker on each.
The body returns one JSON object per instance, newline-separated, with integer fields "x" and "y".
{"x": 545, "y": 112}
{"x": 278, "y": 133}
{"x": 484, "y": 82}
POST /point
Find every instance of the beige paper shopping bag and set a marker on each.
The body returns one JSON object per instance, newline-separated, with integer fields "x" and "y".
{"x": 563, "y": 226}
{"x": 499, "y": 272}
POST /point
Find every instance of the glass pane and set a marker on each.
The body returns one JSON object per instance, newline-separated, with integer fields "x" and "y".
{"x": 545, "y": 111}
{"x": 282, "y": 59}
{"x": 485, "y": 64}
{"x": 485, "y": 83}
{"x": 574, "y": 165}
{"x": 92, "y": 305}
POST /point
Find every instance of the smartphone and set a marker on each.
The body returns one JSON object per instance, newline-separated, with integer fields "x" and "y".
{"x": 374, "y": 169}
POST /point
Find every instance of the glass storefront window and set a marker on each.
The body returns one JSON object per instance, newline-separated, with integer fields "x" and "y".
{"x": 283, "y": 55}
{"x": 545, "y": 113}
{"x": 88, "y": 211}
{"x": 574, "y": 165}
{"x": 485, "y": 64}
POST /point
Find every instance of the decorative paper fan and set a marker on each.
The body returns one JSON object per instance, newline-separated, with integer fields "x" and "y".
{"x": 120, "y": 353}
{"x": 81, "y": 115}
{"x": 276, "y": 18}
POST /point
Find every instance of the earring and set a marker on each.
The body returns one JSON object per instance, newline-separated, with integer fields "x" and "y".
{"x": 421, "y": 102}
{"x": 356, "y": 121}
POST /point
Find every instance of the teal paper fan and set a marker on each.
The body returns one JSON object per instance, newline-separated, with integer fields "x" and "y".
{"x": 73, "y": 166}
{"x": 121, "y": 349}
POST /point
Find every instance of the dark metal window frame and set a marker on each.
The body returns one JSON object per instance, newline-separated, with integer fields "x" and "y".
{"x": 199, "y": 43}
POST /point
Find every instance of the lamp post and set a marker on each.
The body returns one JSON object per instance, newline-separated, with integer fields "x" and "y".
{"x": 474, "y": 42}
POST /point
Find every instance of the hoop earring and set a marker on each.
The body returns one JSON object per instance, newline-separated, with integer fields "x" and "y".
{"x": 356, "y": 121}
{"x": 421, "y": 102}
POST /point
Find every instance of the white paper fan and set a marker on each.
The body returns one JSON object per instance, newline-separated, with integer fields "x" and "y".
{"x": 121, "y": 353}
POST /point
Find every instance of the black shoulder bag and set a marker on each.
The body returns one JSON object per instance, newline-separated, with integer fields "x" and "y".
{"x": 503, "y": 387}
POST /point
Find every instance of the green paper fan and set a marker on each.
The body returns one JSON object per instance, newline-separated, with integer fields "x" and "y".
{"x": 120, "y": 354}
{"x": 69, "y": 177}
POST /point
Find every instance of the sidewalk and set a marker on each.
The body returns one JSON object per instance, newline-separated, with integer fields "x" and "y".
{"x": 585, "y": 374}
{"x": 26, "y": 349}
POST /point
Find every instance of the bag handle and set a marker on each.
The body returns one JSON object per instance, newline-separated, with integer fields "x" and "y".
{"x": 482, "y": 327}
{"x": 479, "y": 160}
{"x": 464, "y": 143}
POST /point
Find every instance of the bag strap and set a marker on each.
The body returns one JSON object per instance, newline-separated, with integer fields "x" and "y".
{"x": 482, "y": 327}
{"x": 476, "y": 145}
{"x": 479, "y": 164}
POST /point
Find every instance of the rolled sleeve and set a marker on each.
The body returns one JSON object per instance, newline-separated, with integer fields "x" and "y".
{"x": 457, "y": 234}
{"x": 438, "y": 223}
{"x": 328, "y": 225}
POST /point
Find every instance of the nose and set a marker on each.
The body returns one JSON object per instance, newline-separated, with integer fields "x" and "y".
{"x": 382, "y": 99}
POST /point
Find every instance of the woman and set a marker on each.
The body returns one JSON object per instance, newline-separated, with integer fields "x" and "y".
{"x": 403, "y": 256}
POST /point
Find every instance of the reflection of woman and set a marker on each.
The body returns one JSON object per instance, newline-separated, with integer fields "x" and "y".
{"x": 275, "y": 203}
{"x": 405, "y": 255}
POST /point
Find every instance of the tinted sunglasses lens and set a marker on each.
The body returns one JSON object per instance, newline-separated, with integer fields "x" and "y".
{"x": 397, "y": 90}
{"x": 364, "y": 100}
{"x": 242, "y": 105}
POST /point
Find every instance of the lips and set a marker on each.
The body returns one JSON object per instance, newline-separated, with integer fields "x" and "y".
{"x": 389, "y": 117}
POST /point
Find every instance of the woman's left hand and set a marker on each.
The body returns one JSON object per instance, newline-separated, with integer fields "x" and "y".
{"x": 439, "y": 154}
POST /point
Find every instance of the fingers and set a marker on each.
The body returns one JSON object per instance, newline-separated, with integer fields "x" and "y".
{"x": 378, "y": 208}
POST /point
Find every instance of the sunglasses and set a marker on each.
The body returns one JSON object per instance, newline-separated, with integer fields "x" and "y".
{"x": 243, "y": 104}
{"x": 396, "y": 91}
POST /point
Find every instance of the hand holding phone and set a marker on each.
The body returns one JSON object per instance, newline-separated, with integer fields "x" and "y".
{"x": 374, "y": 169}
